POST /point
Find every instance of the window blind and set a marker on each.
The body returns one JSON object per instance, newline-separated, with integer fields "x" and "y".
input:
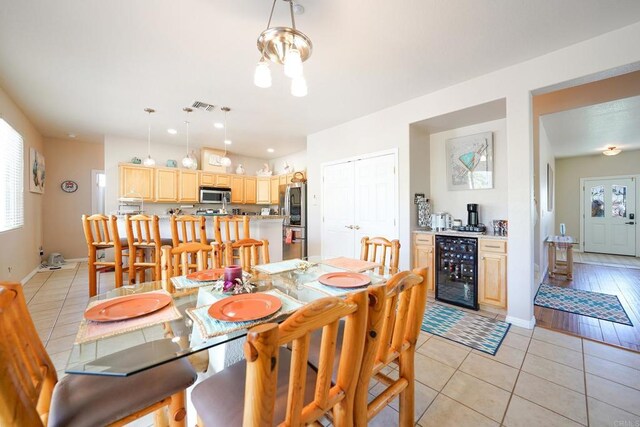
{"x": 11, "y": 178}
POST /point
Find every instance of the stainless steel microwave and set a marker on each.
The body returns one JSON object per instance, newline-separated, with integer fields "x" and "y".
{"x": 215, "y": 195}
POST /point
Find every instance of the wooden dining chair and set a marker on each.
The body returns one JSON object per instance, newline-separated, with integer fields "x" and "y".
{"x": 101, "y": 232}
{"x": 31, "y": 395}
{"x": 188, "y": 229}
{"x": 276, "y": 384}
{"x": 382, "y": 251}
{"x": 184, "y": 253}
{"x": 143, "y": 238}
{"x": 251, "y": 252}
{"x": 399, "y": 326}
{"x": 227, "y": 229}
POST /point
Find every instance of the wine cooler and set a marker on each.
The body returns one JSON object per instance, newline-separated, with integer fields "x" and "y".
{"x": 457, "y": 271}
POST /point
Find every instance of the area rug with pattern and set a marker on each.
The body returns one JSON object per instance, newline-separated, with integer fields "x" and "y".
{"x": 585, "y": 303}
{"x": 479, "y": 332}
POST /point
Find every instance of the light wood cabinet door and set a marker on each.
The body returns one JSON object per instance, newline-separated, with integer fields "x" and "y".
{"x": 423, "y": 256}
{"x": 275, "y": 188}
{"x": 492, "y": 279}
{"x": 263, "y": 191}
{"x": 282, "y": 179}
{"x": 166, "y": 185}
{"x": 188, "y": 186}
{"x": 223, "y": 180}
{"x": 207, "y": 179}
{"x": 289, "y": 178}
{"x": 250, "y": 190}
{"x": 237, "y": 189}
{"x": 136, "y": 181}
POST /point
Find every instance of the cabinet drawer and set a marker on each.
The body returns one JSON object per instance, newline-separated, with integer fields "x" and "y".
{"x": 498, "y": 246}
{"x": 423, "y": 239}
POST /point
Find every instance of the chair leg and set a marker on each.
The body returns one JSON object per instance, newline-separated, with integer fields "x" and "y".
{"x": 407, "y": 396}
{"x": 132, "y": 267}
{"x": 93, "y": 285}
{"x": 118, "y": 267}
{"x": 177, "y": 410}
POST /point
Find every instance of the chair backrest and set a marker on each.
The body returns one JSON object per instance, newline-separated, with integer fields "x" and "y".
{"x": 175, "y": 261}
{"x": 27, "y": 375}
{"x": 249, "y": 254}
{"x": 382, "y": 251}
{"x": 262, "y": 349}
{"x": 187, "y": 229}
{"x": 227, "y": 228}
{"x": 399, "y": 326}
{"x": 101, "y": 231}
{"x": 143, "y": 230}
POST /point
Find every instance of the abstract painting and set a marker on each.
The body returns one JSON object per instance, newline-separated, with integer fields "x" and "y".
{"x": 470, "y": 162}
{"x": 36, "y": 171}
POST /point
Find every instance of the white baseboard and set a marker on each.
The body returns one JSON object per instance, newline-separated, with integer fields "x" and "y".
{"x": 527, "y": 324}
{"x": 29, "y": 276}
{"x": 77, "y": 260}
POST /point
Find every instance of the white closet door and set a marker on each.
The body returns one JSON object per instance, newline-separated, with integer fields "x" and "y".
{"x": 338, "y": 211}
{"x": 376, "y": 203}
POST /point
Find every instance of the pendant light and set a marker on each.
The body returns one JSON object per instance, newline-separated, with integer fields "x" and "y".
{"x": 224, "y": 160}
{"x": 287, "y": 46}
{"x": 149, "y": 162}
{"x": 187, "y": 160}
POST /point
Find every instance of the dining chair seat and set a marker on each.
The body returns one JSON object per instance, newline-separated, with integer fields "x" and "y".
{"x": 80, "y": 400}
{"x": 224, "y": 391}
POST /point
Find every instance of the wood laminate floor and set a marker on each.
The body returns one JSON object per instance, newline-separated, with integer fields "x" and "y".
{"x": 619, "y": 281}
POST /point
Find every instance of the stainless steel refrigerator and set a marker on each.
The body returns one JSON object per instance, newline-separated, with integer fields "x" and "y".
{"x": 293, "y": 205}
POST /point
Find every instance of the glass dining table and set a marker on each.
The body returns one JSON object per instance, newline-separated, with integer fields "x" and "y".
{"x": 126, "y": 353}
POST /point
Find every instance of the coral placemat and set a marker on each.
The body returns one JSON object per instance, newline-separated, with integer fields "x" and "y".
{"x": 351, "y": 264}
{"x": 92, "y": 331}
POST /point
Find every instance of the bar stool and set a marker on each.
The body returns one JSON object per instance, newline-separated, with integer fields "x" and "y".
{"x": 188, "y": 229}
{"x": 101, "y": 232}
{"x": 231, "y": 227}
{"x": 143, "y": 236}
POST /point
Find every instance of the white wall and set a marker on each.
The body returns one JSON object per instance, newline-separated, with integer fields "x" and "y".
{"x": 419, "y": 157}
{"x": 118, "y": 150}
{"x": 19, "y": 253}
{"x": 546, "y": 218}
{"x": 492, "y": 203}
{"x": 389, "y": 128}
{"x": 298, "y": 161}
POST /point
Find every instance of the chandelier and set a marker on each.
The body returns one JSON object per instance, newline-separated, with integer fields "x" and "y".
{"x": 149, "y": 162}
{"x": 188, "y": 161}
{"x": 224, "y": 160}
{"x": 286, "y": 46}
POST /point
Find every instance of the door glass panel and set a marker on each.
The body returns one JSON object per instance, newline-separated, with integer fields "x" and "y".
{"x": 619, "y": 201}
{"x": 597, "y": 201}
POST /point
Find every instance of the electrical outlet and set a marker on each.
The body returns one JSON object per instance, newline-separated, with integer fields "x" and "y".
{"x": 41, "y": 251}
{"x": 9, "y": 268}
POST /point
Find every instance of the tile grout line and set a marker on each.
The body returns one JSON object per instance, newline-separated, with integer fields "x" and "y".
{"x": 584, "y": 370}
{"x": 63, "y": 301}
{"x": 513, "y": 390}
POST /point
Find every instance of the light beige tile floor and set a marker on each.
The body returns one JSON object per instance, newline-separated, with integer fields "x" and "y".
{"x": 538, "y": 377}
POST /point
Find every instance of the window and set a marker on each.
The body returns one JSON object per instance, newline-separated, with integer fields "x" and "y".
{"x": 11, "y": 178}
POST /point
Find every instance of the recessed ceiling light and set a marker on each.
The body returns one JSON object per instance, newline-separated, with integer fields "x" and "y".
{"x": 611, "y": 151}
{"x": 71, "y": 135}
{"x": 270, "y": 150}
{"x": 172, "y": 131}
{"x": 227, "y": 141}
{"x": 218, "y": 125}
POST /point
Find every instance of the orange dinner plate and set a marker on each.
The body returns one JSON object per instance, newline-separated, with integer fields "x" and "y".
{"x": 127, "y": 307}
{"x": 206, "y": 275}
{"x": 244, "y": 307}
{"x": 344, "y": 280}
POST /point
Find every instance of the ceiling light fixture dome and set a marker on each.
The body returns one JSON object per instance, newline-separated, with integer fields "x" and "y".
{"x": 149, "y": 162}
{"x": 188, "y": 161}
{"x": 282, "y": 45}
{"x": 224, "y": 160}
{"x": 612, "y": 151}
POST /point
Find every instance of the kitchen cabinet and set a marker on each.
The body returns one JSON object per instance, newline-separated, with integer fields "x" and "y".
{"x": 223, "y": 181}
{"x": 424, "y": 256}
{"x": 136, "y": 181}
{"x": 282, "y": 179}
{"x": 492, "y": 272}
{"x": 263, "y": 191}
{"x": 188, "y": 186}
{"x": 249, "y": 190}
{"x": 237, "y": 189}
{"x": 275, "y": 189}
{"x": 166, "y": 185}
{"x": 207, "y": 179}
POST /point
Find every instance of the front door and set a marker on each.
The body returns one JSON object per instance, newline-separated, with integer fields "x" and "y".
{"x": 609, "y": 216}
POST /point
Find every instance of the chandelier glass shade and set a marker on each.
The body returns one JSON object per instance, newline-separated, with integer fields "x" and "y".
{"x": 285, "y": 46}
{"x": 187, "y": 160}
{"x": 149, "y": 162}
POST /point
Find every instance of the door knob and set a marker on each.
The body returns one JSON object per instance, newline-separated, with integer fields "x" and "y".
{"x": 357, "y": 227}
{"x": 630, "y": 223}
{"x": 350, "y": 227}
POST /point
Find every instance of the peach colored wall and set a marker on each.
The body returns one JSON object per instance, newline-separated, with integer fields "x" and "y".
{"x": 19, "y": 253}
{"x": 68, "y": 160}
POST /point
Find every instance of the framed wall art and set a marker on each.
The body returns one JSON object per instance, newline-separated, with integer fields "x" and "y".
{"x": 470, "y": 162}
{"x": 36, "y": 171}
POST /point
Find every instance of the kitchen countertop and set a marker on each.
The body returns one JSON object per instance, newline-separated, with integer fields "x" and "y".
{"x": 461, "y": 234}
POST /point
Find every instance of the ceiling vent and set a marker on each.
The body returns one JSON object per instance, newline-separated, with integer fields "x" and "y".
{"x": 202, "y": 106}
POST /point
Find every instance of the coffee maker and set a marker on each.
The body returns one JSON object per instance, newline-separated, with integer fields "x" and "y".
{"x": 472, "y": 214}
